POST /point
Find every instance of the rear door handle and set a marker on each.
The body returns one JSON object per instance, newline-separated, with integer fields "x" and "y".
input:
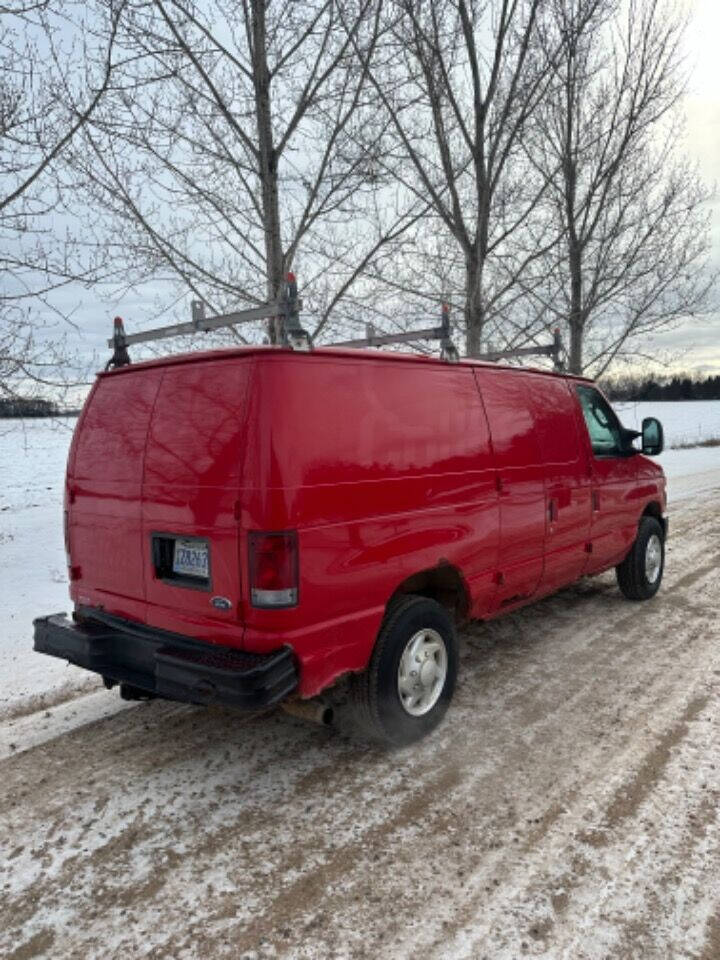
{"x": 595, "y": 501}
{"x": 553, "y": 510}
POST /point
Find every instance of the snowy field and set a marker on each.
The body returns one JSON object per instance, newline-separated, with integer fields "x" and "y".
{"x": 689, "y": 422}
{"x": 32, "y": 559}
{"x": 567, "y": 808}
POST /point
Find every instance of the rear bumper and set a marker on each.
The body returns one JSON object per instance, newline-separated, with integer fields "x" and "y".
{"x": 167, "y": 665}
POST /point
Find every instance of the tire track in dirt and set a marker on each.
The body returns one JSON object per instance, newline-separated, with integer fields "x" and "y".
{"x": 662, "y": 752}
{"x": 200, "y": 851}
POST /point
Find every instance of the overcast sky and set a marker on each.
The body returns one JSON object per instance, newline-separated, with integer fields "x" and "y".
{"x": 696, "y": 345}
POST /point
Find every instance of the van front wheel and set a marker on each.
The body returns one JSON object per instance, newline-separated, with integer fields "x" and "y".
{"x": 640, "y": 573}
{"x": 407, "y": 687}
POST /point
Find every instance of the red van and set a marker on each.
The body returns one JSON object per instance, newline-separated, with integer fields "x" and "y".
{"x": 248, "y": 526}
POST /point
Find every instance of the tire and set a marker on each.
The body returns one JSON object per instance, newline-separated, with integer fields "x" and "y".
{"x": 416, "y": 631}
{"x": 640, "y": 574}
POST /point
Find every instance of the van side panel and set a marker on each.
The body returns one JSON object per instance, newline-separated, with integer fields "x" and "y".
{"x": 385, "y": 470}
{"x": 567, "y": 481}
{"x": 105, "y": 493}
{"x": 520, "y": 480}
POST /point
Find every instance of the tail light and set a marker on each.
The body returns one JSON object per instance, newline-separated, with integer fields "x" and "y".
{"x": 274, "y": 569}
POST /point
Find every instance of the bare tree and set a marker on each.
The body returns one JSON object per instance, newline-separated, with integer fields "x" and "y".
{"x": 234, "y": 148}
{"x": 47, "y": 93}
{"x": 631, "y": 216}
{"x": 459, "y": 80}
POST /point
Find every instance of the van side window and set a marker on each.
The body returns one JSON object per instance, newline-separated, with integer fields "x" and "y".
{"x": 603, "y": 426}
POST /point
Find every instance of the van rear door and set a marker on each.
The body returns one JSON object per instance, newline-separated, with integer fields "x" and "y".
{"x": 104, "y": 493}
{"x": 190, "y": 498}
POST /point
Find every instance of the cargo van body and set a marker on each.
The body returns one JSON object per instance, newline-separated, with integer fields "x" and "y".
{"x": 263, "y": 500}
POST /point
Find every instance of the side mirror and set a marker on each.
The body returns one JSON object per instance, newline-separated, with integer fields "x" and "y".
{"x": 653, "y": 439}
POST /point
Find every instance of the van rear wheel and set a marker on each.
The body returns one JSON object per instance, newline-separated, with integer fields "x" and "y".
{"x": 410, "y": 680}
{"x": 640, "y": 574}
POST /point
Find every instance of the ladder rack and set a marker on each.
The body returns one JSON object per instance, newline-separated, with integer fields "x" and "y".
{"x": 286, "y": 311}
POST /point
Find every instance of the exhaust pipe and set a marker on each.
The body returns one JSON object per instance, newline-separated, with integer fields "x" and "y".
{"x": 314, "y": 711}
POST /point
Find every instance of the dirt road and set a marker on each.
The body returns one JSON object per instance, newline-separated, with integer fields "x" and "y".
{"x": 567, "y": 808}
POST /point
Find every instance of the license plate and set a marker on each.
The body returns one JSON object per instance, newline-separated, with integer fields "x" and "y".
{"x": 191, "y": 559}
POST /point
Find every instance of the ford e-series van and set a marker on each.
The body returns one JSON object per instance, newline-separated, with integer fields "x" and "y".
{"x": 248, "y": 526}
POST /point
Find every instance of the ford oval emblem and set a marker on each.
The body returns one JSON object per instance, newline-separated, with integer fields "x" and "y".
{"x": 221, "y": 603}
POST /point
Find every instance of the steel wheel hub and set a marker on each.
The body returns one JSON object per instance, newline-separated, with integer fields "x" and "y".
{"x": 653, "y": 558}
{"x": 422, "y": 672}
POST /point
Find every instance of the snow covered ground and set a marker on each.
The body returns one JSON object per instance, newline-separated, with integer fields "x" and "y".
{"x": 689, "y": 471}
{"x": 33, "y": 574}
{"x": 688, "y": 422}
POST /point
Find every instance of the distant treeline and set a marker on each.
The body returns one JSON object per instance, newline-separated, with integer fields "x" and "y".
{"x": 682, "y": 387}
{"x": 31, "y": 407}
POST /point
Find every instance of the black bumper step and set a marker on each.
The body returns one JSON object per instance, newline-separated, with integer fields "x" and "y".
{"x": 168, "y": 665}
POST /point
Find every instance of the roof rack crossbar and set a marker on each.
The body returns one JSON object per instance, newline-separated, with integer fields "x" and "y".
{"x": 553, "y": 350}
{"x": 286, "y": 310}
{"x": 200, "y": 322}
{"x": 383, "y": 339}
{"x": 442, "y": 333}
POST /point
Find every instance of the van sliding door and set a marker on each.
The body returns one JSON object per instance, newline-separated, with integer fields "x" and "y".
{"x": 567, "y": 481}
{"x": 520, "y": 484}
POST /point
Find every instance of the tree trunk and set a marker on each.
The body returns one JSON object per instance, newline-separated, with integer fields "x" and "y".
{"x": 267, "y": 163}
{"x": 474, "y": 314}
{"x": 575, "y": 359}
{"x": 576, "y": 319}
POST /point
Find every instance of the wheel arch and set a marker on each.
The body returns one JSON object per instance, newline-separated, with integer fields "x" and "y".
{"x": 443, "y": 583}
{"x": 653, "y": 509}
